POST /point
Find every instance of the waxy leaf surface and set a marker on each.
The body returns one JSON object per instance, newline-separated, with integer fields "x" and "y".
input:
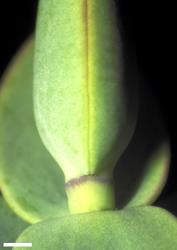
{"x": 84, "y": 107}
{"x": 135, "y": 228}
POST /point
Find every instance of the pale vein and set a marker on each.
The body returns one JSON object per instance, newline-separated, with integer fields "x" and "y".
{"x": 86, "y": 21}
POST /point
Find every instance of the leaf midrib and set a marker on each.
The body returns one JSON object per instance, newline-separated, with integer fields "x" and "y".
{"x": 87, "y": 33}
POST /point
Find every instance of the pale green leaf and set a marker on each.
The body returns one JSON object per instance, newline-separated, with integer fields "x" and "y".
{"x": 84, "y": 107}
{"x": 143, "y": 228}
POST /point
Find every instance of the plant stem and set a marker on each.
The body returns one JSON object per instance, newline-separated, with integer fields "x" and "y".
{"x": 90, "y": 193}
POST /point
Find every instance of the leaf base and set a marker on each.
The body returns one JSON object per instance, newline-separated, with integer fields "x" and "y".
{"x": 90, "y": 193}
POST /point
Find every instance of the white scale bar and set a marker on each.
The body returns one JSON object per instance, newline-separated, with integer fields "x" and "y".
{"x": 17, "y": 244}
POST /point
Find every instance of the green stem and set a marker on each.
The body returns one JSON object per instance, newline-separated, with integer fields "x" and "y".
{"x": 90, "y": 193}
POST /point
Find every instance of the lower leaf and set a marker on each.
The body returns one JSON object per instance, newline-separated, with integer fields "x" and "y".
{"x": 134, "y": 228}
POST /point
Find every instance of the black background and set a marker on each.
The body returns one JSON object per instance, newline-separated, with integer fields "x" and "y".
{"x": 147, "y": 27}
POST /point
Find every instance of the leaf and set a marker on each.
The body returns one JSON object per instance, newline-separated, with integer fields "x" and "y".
{"x": 31, "y": 182}
{"x": 142, "y": 170}
{"x": 84, "y": 108}
{"x": 10, "y": 225}
{"x": 85, "y": 97}
{"x": 136, "y": 181}
{"x": 135, "y": 228}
